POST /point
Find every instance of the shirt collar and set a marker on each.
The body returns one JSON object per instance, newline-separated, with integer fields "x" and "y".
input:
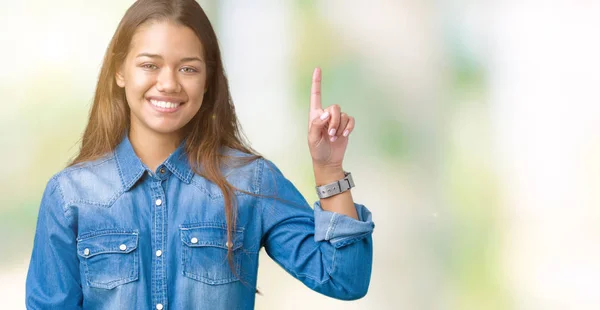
{"x": 179, "y": 165}
{"x": 131, "y": 167}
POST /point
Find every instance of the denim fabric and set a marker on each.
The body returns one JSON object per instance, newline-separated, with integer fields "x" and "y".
{"x": 111, "y": 234}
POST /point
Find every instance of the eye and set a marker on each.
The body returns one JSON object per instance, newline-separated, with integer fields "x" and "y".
{"x": 149, "y": 66}
{"x": 188, "y": 70}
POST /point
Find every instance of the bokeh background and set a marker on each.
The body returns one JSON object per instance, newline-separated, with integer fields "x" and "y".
{"x": 476, "y": 144}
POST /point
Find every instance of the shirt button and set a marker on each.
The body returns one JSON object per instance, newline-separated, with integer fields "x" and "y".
{"x": 158, "y": 253}
{"x": 123, "y": 247}
{"x": 86, "y": 251}
{"x": 158, "y": 202}
{"x": 227, "y": 244}
{"x": 162, "y": 170}
{"x": 194, "y": 240}
{"x": 159, "y": 306}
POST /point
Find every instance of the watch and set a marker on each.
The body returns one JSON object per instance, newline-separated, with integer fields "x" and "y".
{"x": 336, "y": 187}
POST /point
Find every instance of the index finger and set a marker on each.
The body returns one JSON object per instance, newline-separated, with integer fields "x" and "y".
{"x": 315, "y": 91}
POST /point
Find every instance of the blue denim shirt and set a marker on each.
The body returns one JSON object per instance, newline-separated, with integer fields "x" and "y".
{"x": 111, "y": 234}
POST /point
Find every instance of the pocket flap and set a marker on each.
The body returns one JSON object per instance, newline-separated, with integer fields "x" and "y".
{"x": 210, "y": 235}
{"x": 112, "y": 242}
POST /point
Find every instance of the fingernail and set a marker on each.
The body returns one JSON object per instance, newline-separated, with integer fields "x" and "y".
{"x": 346, "y": 132}
{"x": 324, "y": 115}
{"x": 332, "y": 131}
{"x": 332, "y": 139}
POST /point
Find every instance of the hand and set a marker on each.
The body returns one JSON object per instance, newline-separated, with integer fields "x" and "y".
{"x": 328, "y": 129}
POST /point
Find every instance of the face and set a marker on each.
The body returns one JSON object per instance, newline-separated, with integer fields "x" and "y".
{"x": 164, "y": 77}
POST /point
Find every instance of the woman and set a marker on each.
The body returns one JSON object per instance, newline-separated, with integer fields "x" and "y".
{"x": 166, "y": 207}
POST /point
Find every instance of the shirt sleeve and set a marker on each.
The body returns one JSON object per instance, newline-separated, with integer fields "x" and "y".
{"x": 53, "y": 280}
{"x": 341, "y": 230}
{"x": 330, "y": 253}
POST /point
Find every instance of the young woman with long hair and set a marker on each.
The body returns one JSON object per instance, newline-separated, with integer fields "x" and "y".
{"x": 166, "y": 206}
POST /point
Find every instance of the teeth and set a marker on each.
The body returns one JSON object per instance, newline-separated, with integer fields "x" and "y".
{"x": 164, "y": 104}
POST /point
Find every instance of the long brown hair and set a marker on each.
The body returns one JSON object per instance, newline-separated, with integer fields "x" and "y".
{"x": 213, "y": 127}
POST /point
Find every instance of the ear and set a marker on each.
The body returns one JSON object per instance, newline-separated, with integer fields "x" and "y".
{"x": 119, "y": 78}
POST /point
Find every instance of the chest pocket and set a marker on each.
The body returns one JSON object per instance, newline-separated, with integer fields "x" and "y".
{"x": 109, "y": 258}
{"x": 204, "y": 253}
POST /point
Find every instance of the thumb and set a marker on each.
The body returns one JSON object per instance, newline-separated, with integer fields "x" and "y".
{"x": 316, "y": 127}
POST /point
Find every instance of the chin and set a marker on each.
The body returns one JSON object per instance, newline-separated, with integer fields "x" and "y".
{"x": 162, "y": 129}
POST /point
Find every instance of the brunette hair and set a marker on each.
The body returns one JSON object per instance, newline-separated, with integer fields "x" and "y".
{"x": 214, "y": 126}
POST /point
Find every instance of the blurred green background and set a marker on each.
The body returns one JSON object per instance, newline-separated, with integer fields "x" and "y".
{"x": 464, "y": 148}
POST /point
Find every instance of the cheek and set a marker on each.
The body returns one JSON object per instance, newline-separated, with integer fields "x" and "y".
{"x": 139, "y": 82}
{"x": 194, "y": 90}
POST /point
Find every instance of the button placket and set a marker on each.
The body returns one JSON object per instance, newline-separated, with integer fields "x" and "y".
{"x": 159, "y": 241}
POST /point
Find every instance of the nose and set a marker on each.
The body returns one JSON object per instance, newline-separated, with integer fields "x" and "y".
{"x": 167, "y": 82}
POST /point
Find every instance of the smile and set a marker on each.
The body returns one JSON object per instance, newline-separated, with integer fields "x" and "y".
{"x": 165, "y": 106}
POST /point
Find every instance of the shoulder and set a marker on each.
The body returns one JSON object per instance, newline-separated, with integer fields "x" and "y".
{"x": 95, "y": 182}
{"x": 272, "y": 179}
{"x": 240, "y": 169}
{"x": 246, "y": 171}
{"x": 260, "y": 168}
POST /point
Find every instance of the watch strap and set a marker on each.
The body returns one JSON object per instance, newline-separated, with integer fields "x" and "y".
{"x": 336, "y": 187}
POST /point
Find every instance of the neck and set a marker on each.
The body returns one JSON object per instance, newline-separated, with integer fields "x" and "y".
{"x": 153, "y": 148}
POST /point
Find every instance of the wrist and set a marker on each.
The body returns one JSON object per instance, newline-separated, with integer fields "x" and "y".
{"x": 327, "y": 174}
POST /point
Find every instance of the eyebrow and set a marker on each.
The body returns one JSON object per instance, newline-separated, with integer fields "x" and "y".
{"x": 185, "y": 59}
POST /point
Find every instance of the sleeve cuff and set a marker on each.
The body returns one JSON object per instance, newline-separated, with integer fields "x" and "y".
{"x": 339, "y": 229}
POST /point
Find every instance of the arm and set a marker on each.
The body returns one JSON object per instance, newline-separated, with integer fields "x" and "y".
{"x": 53, "y": 280}
{"x": 329, "y": 252}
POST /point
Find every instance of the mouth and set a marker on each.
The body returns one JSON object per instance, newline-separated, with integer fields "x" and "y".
{"x": 165, "y": 106}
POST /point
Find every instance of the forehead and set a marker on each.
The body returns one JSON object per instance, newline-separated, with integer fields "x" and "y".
{"x": 165, "y": 38}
